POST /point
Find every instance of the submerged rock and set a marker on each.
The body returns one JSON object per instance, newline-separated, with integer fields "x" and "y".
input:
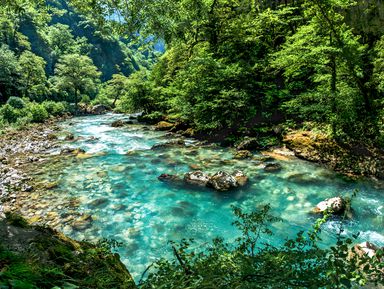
{"x": 118, "y": 123}
{"x": 272, "y": 167}
{"x": 197, "y": 178}
{"x": 82, "y": 223}
{"x": 336, "y": 205}
{"x": 174, "y": 143}
{"x": 243, "y": 154}
{"x": 168, "y": 178}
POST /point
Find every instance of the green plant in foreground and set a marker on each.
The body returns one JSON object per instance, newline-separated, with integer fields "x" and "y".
{"x": 298, "y": 263}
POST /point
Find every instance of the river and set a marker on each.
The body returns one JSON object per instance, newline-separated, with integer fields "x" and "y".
{"x": 117, "y": 185}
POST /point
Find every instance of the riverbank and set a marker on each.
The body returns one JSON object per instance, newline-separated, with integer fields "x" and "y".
{"x": 38, "y": 250}
{"x": 350, "y": 159}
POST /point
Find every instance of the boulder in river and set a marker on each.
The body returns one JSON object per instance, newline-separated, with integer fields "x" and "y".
{"x": 174, "y": 143}
{"x": 69, "y": 137}
{"x": 240, "y": 178}
{"x": 118, "y": 123}
{"x": 168, "y": 178}
{"x": 336, "y": 205}
{"x": 222, "y": 181}
{"x": 99, "y": 109}
{"x": 272, "y": 167}
{"x": 243, "y": 154}
{"x": 197, "y": 178}
{"x": 74, "y": 151}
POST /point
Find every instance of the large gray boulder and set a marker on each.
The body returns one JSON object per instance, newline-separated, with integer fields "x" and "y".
{"x": 197, "y": 178}
{"x": 222, "y": 181}
{"x": 336, "y": 205}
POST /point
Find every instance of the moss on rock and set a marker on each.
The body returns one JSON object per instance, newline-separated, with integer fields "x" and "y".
{"x": 39, "y": 257}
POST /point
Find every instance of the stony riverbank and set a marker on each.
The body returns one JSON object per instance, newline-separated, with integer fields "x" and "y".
{"x": 350, "y": 159}
{"x": 38, "y": 249}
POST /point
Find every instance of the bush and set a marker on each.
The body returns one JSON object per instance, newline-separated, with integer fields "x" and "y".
{"x": 55, "y": 108}
{"x": 16, "y": 102}
{"x": 38, "y": 111}
{"x": 85, "y": 99}
{"x": 101, "y": 99}
{"x": 9, "y": 114}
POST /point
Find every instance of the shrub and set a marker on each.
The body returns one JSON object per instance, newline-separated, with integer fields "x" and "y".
{"x": 55, "y": 108}
{"x": 16, "y": 102}
{"x": 101, "y": 99}
{"x": 38, "y": 111}
{"x": 9, "y": 114}
{"x": 85, "y": 99}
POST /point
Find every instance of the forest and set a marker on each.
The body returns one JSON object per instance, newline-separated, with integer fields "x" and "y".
{"x": 287, "y": 94}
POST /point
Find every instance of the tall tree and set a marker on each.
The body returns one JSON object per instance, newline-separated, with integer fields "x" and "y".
{"x": 33, "y": 78}
{"x": 76, "y": 74}
{"x": 9, "y": 73}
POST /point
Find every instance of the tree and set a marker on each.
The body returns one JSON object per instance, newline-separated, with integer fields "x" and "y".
{"x": 9, "y": 73}
{"x": 76, "y": 74}
{"x": 33, "y": 78}
{"x": 323, "y": 63}
{"x": 116, "y": 87}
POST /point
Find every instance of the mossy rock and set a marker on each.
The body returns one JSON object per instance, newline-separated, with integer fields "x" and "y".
{"x": 39, "y": 257}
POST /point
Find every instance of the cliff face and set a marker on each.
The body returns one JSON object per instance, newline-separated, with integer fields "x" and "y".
{"x": 37, "y": 257}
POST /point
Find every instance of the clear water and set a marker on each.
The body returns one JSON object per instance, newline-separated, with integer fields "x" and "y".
{"x": 144, "y": 213}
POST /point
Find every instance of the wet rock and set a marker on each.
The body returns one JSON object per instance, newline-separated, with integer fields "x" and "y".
{"x": 243, "y": 154}
{"x": 168, "y": 178}
{"x": 74, "y": 151}
{"x": 197, "y": 178}
{"x": 195, "y": 167}
{"x": 240, "y": 178}
{"x": 272, "y": 167}
{"x": 98, "y": 202}
{"x": 336, "y": 205}
{"x": 303, "y": 179}
{"x": 82, "y": 223}
{"x": 366, "y": 248}
{"x": 222, "y": 181}
{"x": 164, "y": 125}
{"x": 175, "y": 143}
{"x": 118, "y": 123}
{"x": 190, "y": 132}
{"x": 248, "y": 143}
{"x": 70, "y": 137}
{"x": 99, "y": 109}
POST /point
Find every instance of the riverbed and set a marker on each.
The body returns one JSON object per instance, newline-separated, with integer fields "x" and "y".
{"x": 115, "y": 182}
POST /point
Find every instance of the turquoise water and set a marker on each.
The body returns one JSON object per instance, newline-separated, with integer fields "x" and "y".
{"x": 118, "y": 186}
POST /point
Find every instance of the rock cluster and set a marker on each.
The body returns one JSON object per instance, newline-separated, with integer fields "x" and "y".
{"x": 220, "y": 181}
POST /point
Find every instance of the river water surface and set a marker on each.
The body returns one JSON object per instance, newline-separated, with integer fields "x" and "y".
{"x": 118, "y": 186}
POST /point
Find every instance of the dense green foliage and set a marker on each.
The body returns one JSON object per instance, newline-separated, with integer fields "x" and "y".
{"x": 239, "y": 65}
{"x": 299, "y": 263}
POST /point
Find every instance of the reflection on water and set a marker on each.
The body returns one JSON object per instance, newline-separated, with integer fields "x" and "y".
{"x": 120, "y": 189}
